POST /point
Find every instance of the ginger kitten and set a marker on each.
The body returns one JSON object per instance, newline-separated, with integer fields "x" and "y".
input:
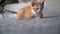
{"x": 32, "y": 11}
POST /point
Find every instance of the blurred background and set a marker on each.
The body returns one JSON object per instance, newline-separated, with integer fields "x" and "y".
{"x": 6, "y": 5}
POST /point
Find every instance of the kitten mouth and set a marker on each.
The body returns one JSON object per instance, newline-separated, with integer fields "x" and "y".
{"x": 37, "y": 11}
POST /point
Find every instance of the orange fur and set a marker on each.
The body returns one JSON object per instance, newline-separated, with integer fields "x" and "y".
{"x": 26, "y": 12}
{"x": 23, "y": 14}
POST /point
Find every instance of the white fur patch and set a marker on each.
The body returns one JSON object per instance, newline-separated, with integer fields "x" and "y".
{"x": 35, "y": 13}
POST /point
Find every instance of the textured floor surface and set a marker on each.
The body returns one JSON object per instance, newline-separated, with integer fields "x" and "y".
{"x": 50, "y": 24}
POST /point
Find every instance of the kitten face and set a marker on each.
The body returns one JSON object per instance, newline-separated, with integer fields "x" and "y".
{"x": 36, "y": 6}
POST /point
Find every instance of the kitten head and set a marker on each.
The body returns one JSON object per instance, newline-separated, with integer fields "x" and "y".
{"x": 36, "y": 6}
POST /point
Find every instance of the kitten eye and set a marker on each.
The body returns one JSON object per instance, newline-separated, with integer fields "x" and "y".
{"x": 37, "y": 8}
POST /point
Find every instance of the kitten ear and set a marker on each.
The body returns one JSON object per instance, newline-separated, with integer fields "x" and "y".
{"x": 32, "y": 2}
{"x": 42, "y": 2}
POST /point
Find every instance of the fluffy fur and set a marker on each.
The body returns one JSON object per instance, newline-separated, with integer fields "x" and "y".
{"x": 32, "y": 11}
